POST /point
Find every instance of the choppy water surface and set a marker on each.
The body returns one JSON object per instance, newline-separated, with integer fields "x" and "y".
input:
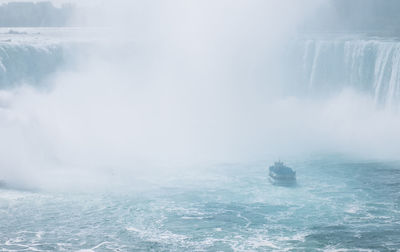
{"x": 336, "y": 205}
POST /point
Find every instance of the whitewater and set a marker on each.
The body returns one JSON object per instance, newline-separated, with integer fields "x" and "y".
{"x": 339, "y": 205}
{"x": 129, "y": 146}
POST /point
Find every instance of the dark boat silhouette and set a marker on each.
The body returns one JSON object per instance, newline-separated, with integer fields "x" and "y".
{"x": 280, "y": 174}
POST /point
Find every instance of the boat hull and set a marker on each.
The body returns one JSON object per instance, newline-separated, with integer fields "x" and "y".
{"x": 283, "y": 182}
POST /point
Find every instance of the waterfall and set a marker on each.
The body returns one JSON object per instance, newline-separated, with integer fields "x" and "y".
{"x": 29, "y": 64}
{"x": 368, "y": 65}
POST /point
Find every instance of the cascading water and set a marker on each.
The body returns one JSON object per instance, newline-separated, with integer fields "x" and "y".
{"x": 369, "y": 65}
{"x": 28, "y": 64}
{"x": 29, "y": 56}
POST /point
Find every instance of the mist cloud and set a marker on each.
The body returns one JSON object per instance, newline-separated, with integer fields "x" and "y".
{"x": 177, "y": 84}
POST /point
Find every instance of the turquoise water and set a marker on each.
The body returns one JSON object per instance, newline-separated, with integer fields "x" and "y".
{"x": 337, "y": 205}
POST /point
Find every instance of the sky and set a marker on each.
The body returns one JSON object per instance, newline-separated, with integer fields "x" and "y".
{"x": 60, "y": 2}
